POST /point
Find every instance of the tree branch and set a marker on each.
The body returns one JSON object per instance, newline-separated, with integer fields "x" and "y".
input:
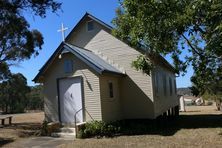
{"x": 189, "y": 43}
{"x": 201, "y": 30}
{"x": 1, "y": 53}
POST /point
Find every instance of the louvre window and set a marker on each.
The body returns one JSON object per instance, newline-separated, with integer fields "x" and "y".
{"x": 171, "y": 88}
{"x": 175, "y": 87}
{"x": 157, "y": 82}
{"x": 68, "y": 66}
{"x": 90, "y": 26}
{"x": 110, "y": 89}
{"x": 164, "y": 84}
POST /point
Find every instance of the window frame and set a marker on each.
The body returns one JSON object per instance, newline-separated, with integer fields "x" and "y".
{"x": 175, "y": 86}
{"x": 156, "y": 79}
{"x": 68, "y": 66}
{"x": 171, "y": 86}
{"x": 87, "y": 26}
{"x": 164, "y": 84}
{"x": 110, "y": 89}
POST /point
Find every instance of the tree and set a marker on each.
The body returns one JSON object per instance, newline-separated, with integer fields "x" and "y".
{"x": 189, "y": 31}
{"x": 13, "y": 92}
{"x": 16, "y": 96}
{"x": 35, "y": 98}
{"x": 17, "y": 41}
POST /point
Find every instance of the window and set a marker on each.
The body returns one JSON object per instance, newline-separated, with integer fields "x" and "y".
{"x": 175, "y": 87}
{"x": 68, "y": 66}
{"x": 110, "y": 89}
{"x": 90, "y": 26}
{"x": 156, "y": 82}
{"x": 170, "y": 83}
{"x": 164, "y": 84}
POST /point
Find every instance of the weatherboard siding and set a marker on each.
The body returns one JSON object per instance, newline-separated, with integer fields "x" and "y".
{"x": 90, "y": 82}
{"x": 81, "y": 36}
{"x": 163, "y": 102}
{"x": 136, "y": 88}
{"x": 111, "y": 107}
{"x": 137, "y": 96}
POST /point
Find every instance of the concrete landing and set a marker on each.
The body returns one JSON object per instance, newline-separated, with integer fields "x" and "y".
{"x": 39, "y": 142}
{"x": 65, "y": 132}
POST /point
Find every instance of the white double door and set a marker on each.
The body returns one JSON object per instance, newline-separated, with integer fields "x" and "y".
{"x": 70, "y": 95}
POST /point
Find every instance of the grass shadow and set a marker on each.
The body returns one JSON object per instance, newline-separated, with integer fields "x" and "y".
{"x": 25, "y": 126}
{"x": 169, "y": 126}
{"x": 148, "y": 127}
{"x": 200, "y": 121}
{"x": 193, "y": 111}
{"x": 25, "y": 129}
{"x": 4, "y": 141}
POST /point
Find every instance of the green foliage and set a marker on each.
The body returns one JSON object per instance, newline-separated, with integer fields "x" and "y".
{"x": 142, "y": 63}
{"x": 195, "y": 91}
{"x": 209, "y": 88}
{"x": 189, "y": 31}
{"x": 16, "y": 96}
{"x": 17, "y": 41}
{"x": 35, "y": 99}
{"x": 44, "y": 128}
{"x": 207, "y": 96}
{"x": 210, "y": 96}
{"x": 13, "y": 94}
{"x": 99, "y": 129}
{"x": 122, "y": 127}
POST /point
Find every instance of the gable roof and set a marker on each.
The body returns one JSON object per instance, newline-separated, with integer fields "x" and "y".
{"x": 92, "y": 60}
{"x": 88, "y": 57}
{"x": 110, "y": 28}
{"x": 87, "y": 15}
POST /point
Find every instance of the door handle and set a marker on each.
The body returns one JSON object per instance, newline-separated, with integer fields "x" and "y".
{"x": 71, "y": 95}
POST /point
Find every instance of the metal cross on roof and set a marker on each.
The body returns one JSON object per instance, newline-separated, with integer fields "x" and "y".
{"x": 63, "y": 32}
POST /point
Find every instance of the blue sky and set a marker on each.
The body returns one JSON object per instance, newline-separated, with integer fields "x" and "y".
{"x": 71, "y": 13}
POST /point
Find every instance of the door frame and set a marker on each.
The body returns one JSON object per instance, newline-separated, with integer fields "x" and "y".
{"x": 82, "y": 91}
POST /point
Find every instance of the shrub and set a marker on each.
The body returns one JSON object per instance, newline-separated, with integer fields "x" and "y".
{"x": 48, "y": 128}
{"x": 44, "y": 127}
{"x": 123, "y": 127}
{"x": 98, "y": 129}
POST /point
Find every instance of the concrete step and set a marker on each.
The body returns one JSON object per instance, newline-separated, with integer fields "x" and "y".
{"x": 67, "y": 130}
{"x": 71, "y": 125}
{"x": 70, "y": 136}
{"x": 79, "y": 124}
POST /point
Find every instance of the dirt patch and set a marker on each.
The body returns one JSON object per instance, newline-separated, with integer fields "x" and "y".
{"x": 23, "y": 125}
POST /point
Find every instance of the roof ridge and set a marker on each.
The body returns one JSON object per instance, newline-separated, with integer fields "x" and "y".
{"x": 99, "y": 20}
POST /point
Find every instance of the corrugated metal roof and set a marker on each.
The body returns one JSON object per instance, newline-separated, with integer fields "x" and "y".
{"x": 88, "y": 57}
{"x": 95, "y": 60}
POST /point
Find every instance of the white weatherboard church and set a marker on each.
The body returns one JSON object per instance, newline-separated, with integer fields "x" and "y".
{"x": 90, "y": 75}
